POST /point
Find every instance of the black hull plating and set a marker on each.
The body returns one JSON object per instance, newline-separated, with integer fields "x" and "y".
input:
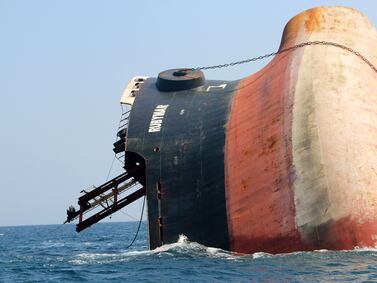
{"x": 184, "y": 161}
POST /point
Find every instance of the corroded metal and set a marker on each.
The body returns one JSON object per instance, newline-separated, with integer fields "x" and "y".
{"x": 300, "y": 141}
{"x": 281, "y": 161}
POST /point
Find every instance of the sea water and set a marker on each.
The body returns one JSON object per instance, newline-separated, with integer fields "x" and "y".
{"x": 56, "y": 253}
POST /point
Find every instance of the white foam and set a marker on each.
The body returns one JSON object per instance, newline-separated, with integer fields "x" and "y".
{"x": 97, "y": 255}
{"x": 365, "y": 249}
{"x": 52, "y": 244}
{"x": 261, "y": 255}
{"x": 2, "y": 234}
{"x": 355, "y": 249}
{"x": 321, "y": 251}
{"x": 182, "y": 246}
{"x": 89, "y": 258}
{"x": 181, "y": 243}
{"x": 78, "y": 261}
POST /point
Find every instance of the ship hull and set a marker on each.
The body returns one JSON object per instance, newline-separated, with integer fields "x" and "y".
{"x": 281, "y": 161}
{"x": 301, "y": 142}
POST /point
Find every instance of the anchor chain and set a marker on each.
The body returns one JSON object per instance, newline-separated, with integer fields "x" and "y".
{"x": 292, "y": 48}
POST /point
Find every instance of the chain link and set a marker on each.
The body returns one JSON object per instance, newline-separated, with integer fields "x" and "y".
{"x": 292, "y": 48}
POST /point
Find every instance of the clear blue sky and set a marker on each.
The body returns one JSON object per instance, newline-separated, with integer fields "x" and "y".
{"x": 64, "y": 64}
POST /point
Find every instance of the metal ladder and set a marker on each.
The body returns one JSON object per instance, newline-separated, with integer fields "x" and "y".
{"x": 109, "y": 198}
{"x": 122, "y": 135}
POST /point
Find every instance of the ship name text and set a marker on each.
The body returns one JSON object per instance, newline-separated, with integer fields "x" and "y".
{"x": 157, "y": 117}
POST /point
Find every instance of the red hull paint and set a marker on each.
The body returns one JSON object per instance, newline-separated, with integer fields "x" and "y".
{"x": 258, "y": 163}
{"x": 346, "y": 234}
{"x": 260, "y": 167}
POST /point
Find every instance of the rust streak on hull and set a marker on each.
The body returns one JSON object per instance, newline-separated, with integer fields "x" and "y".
{"x": 298, "y": 176}
{"x": 259, "y": 168}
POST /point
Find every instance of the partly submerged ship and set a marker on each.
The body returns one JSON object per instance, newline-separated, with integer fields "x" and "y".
{"x": 280, "y": 161}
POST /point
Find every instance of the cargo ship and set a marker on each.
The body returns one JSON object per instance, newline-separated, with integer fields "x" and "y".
{"x": 283, "y": 160}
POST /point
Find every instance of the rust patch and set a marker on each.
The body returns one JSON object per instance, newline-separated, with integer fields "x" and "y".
{"x": 307, "y": 21}
{"x": 313, "y": 19}
{"x": 271, "y": 142}
{"x": 259, "y": 160}
{"x": 260, "y": 200}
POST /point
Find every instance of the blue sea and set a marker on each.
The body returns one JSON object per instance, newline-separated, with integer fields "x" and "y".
{"x": 56, "y": 253}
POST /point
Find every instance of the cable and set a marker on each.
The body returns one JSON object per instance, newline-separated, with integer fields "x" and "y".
{"x": 130, "y": 216}
{"x": 138, "y": 228}
{"x": 111, "y": 168}
{"x": 292, "y": 48}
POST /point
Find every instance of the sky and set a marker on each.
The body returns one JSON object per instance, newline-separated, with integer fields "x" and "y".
{"x": 64, "y": 65}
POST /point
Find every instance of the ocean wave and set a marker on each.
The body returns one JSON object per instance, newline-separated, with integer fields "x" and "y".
{"x": 261, "y": 255}
{"x": 312, "y": 253}
{"x": 52, "y": 244}
{"x": 183, "y": 247}
{"x": 98, "y": 258}
{"x": 355, "y": 249}
{"x": 2, "y": 234}
{"x": 320, "y": 251}
{"x": 365, "y": 249}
